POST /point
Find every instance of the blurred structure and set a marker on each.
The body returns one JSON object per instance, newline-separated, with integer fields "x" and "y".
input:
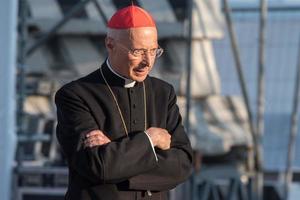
{"x": 65, "y": 40}
{"x": 8, "y": 52}
{"x": 283, "y": 31}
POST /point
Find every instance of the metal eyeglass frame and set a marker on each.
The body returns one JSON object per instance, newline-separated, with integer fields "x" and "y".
{"x": 157, "y": 52}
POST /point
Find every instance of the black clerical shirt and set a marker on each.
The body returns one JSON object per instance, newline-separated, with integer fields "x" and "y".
{"x": 126, "y": 167}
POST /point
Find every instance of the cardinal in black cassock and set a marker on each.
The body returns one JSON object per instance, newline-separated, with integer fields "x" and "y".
{"x": 119, "y": 128}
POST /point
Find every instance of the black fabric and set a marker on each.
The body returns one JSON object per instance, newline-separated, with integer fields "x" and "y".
{"x": 126, "y": 167}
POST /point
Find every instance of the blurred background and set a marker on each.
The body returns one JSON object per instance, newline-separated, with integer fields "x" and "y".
{"x": 234, "y": 65}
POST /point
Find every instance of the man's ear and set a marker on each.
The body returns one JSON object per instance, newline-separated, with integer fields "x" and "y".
{"x": 109, "y": 43}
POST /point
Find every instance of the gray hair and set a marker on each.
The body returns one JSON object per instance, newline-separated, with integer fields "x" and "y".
{"x": 117, "y": 34}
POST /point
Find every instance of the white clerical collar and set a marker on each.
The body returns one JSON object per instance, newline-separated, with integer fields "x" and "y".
{"x": 128, "y": 82}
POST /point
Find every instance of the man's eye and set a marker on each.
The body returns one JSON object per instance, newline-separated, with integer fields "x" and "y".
{"x": 138, "y": 51}
{"x": 153, "y": 51}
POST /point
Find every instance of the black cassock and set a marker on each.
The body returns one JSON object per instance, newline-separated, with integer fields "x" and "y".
{"x": 126, "y": 167}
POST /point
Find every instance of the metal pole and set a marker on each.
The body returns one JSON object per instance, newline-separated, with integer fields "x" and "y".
{"x": 293, "y": 132}
{"x": 189, "y": 65}
{"x": 189, "y": 58}
{"x": 261, "y": 97}
{"x": 8, "y": 53}
{"x": 75, "y": 9}
{"x": 98, "y": 7}
{"x": 238, "y": 66}
{"x": 21, "y": 65}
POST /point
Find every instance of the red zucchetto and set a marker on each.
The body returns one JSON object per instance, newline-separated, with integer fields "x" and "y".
{"x": 131, "y": 17}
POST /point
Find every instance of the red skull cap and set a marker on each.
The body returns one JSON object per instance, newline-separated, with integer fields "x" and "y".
{"x": 131, "y": 17}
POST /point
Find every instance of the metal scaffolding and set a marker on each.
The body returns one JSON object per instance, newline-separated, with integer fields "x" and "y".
{"x": 293, "y": 131}
{"x": 260, "y": 99}
{"x": 256, "y": 129}
{"x": 256, "y": 133}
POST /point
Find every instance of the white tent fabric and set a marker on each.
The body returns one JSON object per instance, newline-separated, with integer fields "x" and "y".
{"x": 208, "y": 21}
{"x": 205, "y": 78}
{"x": 217, "y": 124}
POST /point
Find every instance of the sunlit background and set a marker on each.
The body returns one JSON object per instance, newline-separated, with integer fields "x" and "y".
{"x": 47, "y": 43}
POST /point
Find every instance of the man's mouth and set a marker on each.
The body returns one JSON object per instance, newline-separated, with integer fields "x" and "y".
{"x": 141, "y": 69}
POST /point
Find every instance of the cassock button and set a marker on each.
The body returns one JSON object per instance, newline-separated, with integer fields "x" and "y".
{"x": 133, "y": 105}
{"x": 134, "y": 121}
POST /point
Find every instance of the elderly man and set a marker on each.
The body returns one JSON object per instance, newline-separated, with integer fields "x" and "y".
{"x": 119, "y": 128}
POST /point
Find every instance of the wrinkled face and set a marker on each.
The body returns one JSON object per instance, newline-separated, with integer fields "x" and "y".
{"x": 121, "y": 46}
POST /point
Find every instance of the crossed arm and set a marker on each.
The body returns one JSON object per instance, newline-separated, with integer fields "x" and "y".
{"x": 160, "y": 138}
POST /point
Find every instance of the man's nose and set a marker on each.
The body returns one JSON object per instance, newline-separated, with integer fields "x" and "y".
{"x": 147, "y": 57}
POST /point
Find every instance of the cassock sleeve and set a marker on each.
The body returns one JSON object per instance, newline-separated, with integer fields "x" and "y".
{"x": 110, "y": 163}
{"x": 174, "y": 165}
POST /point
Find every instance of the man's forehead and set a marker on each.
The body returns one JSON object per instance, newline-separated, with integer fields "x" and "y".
{"x": 131, "y": 33}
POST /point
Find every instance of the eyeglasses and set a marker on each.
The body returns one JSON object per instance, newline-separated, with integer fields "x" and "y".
{"x": 155, "y": 52}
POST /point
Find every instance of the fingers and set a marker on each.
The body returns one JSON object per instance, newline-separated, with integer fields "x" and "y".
{"x": 95, "y": 138}
{"x": 160, "y": 137}
{"x": 95, "y": 132}
{"x": 165, "y": 140}
{"x": 95, "y": 141}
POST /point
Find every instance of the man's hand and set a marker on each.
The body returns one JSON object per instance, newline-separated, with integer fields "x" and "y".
{"x": 160, "y": 137}
{"x": 95, "y": 138}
